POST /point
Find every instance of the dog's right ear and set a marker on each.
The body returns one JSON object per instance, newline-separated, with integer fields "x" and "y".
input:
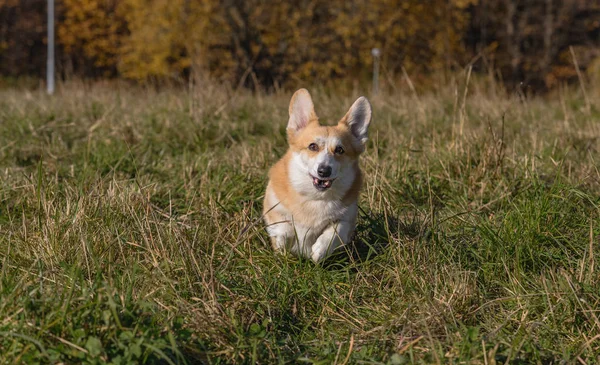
{"x": 302, "y": 111}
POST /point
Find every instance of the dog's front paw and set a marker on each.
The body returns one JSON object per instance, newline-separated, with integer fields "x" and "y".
{"x": 323, "y": 247}
{"x": 279, "y": 243}
{"x": 318, "y": 254}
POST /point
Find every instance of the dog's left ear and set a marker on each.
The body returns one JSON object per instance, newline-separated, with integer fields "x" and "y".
{"x": 358, "y": 119}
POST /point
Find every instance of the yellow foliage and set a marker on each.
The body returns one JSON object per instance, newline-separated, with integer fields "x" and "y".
{"x": 93, "y": 28}
{"x": 318, "y": 40}
{"x": 166, "y": 37}
{"x": 274, "y": 41}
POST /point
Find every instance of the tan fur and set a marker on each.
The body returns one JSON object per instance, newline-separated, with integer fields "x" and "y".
{"x": 312, "y": 214}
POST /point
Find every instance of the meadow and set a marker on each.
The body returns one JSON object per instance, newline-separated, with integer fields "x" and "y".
{"x": 131, "y": 232}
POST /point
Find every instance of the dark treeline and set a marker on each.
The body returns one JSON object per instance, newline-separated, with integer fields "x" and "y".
{"x": 276, "y": 43}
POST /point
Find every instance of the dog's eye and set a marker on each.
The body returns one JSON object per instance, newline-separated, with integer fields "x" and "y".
{"x": 339, "y": 150}
{"x": 313, "y": 147}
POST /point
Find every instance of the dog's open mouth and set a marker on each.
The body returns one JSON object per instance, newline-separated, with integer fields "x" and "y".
{"x": 322, "y": 185}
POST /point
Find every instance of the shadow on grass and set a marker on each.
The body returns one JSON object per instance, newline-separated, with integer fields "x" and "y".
{"x": 374, "y": 233}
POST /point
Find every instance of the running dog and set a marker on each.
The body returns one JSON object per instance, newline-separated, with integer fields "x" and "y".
{"x": 310, "y": 205}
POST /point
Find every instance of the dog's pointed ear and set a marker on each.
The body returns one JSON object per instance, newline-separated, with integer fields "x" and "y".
{"x": 302, "y": 111}
{"x": 358, "y": 119}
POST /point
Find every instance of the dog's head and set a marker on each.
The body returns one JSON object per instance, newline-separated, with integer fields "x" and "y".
{"x": 325, "y": 158}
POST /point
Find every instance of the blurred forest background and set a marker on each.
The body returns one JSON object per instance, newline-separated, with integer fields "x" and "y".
{"x": 275, "y": 43}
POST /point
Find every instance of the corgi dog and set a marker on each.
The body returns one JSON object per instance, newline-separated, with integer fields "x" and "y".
{"x": 310, "y": 205}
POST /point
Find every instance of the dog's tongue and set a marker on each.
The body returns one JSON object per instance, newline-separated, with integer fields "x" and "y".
{"x": 322, "y": 183}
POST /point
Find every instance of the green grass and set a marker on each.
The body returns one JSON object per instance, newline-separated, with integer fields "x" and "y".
{"x": 130, "y": 231}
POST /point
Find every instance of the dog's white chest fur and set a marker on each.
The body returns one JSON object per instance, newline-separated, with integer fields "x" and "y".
{"x": 329, "y": 224}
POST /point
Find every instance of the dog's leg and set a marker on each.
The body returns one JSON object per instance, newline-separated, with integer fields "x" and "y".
{"x": 334, "y": 236}
{"x": 279, "y": 243}
{"x": 281, "y": 235}
{"x": 303, "y": 242}
{"x": 287, "y": 238}
{"x": 278, "y": 222}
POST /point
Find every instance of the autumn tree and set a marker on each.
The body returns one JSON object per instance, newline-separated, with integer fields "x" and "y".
{"x": 529, "y": 42}
{"x": 281, "y": 41}
{"x": 260, "y": 43}
{"x": 90, "y": 33}
{"x": 165, "y": 38}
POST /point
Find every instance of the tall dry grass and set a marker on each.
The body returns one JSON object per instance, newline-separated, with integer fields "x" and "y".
{"x": 130, "y": 229}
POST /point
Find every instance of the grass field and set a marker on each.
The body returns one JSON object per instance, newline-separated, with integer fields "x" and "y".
{"x": 130, "y": 230}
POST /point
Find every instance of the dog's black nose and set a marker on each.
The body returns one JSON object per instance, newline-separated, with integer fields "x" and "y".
{"x": 324, "y": 171}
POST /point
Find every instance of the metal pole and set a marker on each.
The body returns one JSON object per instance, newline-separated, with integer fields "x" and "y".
{"x": 376, "y": 53}
{"x": 50, "y": 62}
